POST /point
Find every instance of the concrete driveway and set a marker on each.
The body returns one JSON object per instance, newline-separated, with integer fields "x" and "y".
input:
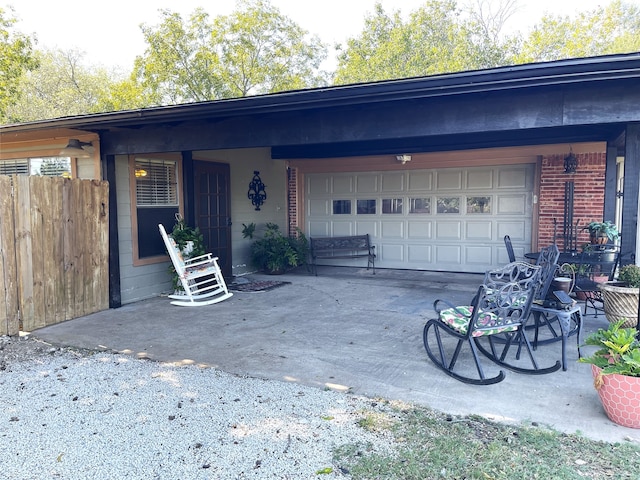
{"x": 347, "y": 330}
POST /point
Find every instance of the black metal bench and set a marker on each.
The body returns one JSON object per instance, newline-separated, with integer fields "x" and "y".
{"x": 329, "y": 248}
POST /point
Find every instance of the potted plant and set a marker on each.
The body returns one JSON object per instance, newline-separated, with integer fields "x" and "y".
{"x": 615, "y": 366}
{"x": 621, "y": 297}
{"x": 601, "y": 233}
{"x": 190, "y": 242}
{"x": 275, "y": 253}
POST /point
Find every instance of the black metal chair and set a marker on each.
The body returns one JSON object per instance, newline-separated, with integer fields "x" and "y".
{"x": 499, "y": 309}
{"x": 592, "y": 268}
{"x": 548, "y": 262}
{"x": 510, "y": 252}
{"x": 546, "y": 311}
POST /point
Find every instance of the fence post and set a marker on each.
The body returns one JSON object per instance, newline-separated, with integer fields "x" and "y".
{"x": 9, "y": 311}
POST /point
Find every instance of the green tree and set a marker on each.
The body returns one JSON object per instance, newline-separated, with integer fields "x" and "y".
{"x": 60, "y": 86}
{"x": 125, "y": 94}
{"x": 16, "y": 58}
{"x": 254, "y": 50}
{"x": 438, "y": 37}
{"x": 604, "y": 30}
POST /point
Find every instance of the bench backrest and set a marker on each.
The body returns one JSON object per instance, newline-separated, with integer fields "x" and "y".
{"x": 356, "y": 242}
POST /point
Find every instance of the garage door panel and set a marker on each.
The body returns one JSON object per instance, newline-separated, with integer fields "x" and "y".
{"x": 479, "y": 230}
{"x": 319, "y": 207}
{"x": 420, "y": 254}
{"x": 319, "y": 229}
{"x": 448, "y": 254}
{"x": 479, "y": 255}
{"x": 420, "y": 181}
{"x": 392, "y": 230}
{"x": 391, "y": 252}
{"x": 318, "y": 185}
{"x": 419, "y": 230}
{"x": 393, "y": 182}
{"x": 480, "y": 179}
{"x": 512, "y": 204}
{"x": 449, "y": 180}
{"x": 449, "y": 230}
{"x": 513, "y": 177}
{"x": 341, "y": 229}
{"x": 367, "y": 184}
{"x": 342, "y": 185}
{"x": 516, "y": 230}
{"x": 363, "y": 228}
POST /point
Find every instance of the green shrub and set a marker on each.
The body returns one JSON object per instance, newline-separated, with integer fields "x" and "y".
{"x": 275, "y": 253}
{"x": 630, "y": 275}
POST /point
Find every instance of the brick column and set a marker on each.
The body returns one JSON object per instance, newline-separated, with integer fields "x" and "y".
{"x": 588, "y": 201}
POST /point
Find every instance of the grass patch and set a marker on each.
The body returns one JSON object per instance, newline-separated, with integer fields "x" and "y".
{"x": 427, "y": 444}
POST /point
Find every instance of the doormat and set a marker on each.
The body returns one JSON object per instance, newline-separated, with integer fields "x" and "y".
{"x": 258, "y": 286}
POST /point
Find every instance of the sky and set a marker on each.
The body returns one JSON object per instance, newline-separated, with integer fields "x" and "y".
{"x": 109, "y": 32}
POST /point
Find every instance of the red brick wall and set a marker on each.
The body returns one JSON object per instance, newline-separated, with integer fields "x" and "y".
{"x": 292, "y": 199}
{"x": 588, "y": 200}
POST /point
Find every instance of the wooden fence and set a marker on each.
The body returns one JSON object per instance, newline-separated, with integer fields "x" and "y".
{"x": 54, "y": 248}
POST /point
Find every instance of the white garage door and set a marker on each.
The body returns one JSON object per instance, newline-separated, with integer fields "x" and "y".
{"x": 449, "y": 219}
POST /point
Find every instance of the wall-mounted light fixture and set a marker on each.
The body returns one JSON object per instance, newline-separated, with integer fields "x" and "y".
{"x": 570, "y": 162}
{"x": 404, "y": 158}
{"x": 75, "y": 148}
{"x": 257, "y": 193}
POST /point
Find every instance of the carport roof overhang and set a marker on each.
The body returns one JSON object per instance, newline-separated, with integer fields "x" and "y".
{"x": 443, "y": 143}
{"x": 588, "y": 99}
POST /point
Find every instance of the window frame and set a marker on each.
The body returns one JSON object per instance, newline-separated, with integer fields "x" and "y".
{"x": 29, "y": 159}
{"x": 132, "y": 160}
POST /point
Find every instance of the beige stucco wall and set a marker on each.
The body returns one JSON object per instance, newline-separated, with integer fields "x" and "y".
{"x": 242, "y": 163}
{"x": 139, "y": 282}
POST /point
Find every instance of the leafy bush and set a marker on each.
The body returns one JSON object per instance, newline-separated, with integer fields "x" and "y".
{"x": 274, "y": 252}
{"x": 630, "y": 275}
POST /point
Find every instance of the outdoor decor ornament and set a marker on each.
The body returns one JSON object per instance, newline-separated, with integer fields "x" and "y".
{"x": 256, "y": 193}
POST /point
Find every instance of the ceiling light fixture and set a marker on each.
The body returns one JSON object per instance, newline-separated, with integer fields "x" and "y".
{"x": 404, "y": 158}
{"x": 75, "y": 148}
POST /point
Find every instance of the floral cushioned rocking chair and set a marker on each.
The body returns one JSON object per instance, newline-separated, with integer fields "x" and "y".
{"x": 499, "y": 309}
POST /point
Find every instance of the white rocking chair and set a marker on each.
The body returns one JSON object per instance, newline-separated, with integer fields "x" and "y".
{"x": 201, "y": 277}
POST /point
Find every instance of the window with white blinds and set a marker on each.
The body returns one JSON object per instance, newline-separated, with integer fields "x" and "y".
{"x": 156, "y": 182}
{"x": 46, "y": 166}
{"x": 14, "y": 167}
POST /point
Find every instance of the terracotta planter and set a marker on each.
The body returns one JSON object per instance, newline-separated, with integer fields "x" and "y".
{"x": 620, "y": 397}
{"x": 598, "y": 238}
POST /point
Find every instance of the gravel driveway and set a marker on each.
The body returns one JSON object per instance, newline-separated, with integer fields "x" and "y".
{"x": 79, "y": 415}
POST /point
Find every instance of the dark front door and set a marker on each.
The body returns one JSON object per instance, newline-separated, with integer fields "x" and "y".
{"x": 212, "y": 210}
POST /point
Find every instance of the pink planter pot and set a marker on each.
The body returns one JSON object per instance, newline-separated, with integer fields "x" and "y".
{"x": 620, "y": 397}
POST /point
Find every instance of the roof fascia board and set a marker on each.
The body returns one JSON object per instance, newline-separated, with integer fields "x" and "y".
{"x": 594, "y": 69}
